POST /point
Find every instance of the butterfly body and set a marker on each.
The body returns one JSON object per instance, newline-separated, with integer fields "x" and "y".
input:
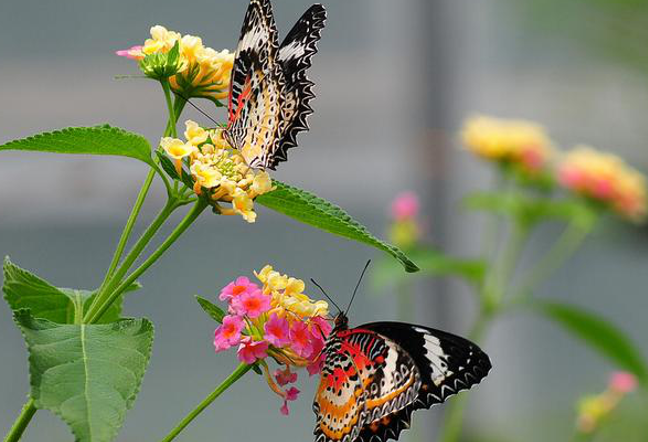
{"x": 269, "y": 99}
{"x": 375, "y": 375}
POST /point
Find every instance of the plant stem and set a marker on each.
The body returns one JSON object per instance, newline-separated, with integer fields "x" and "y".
{"x": 561, "y": 250}
{"x": 235, "y": 376}
{"x": 128, "y": 228}
{"x": 189, "y": 218}
{"x": 454, "y": 416}
{"x": 139, "y": 246}
{"x": 171, "y": 126}
{"x": 28, "y": 411}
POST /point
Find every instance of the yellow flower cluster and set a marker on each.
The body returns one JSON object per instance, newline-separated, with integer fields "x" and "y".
{"x": 594, "y": 409}
{"x": 518, "y": 142}
{"x": 606, "y": 178}
{"x": 219, "y": 172}
{"x": 287, "y": 294}
{"x": 204, "y": 72}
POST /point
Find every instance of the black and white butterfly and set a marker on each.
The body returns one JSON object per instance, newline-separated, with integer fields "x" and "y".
{"x": 270, "y": 94}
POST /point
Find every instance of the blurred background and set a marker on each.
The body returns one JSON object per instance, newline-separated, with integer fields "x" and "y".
{"x": 394, "y": 82}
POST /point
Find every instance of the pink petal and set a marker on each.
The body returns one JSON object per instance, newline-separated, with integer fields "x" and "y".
{"x": 291, "y": 394}
{"x": 623, "y": 382}
{"x": 284, "y": 409}
{"x": 405, "y": 206}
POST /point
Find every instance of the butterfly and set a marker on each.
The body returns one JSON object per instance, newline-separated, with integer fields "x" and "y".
{"x": 374, "y": 376}
{"x": 269, "y": 98}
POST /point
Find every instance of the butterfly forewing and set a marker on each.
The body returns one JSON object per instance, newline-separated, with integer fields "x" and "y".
{"x": 406, "y": 367}
{"x": 269, "y": 93}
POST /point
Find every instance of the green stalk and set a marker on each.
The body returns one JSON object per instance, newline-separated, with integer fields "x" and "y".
{"x": 94, "y": 315}
{"x": 128, "y": 228}
{"x": 137, "y": 249}
{"x": 562, "y": 249}
{"x": 235, "y": 376}
{"x": 18, "y": 428}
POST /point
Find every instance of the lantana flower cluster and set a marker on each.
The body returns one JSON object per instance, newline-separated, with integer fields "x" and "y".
{"x": 275, "y": 318}
{"x": 597, "y": 176}
{"x": 605, "y": 178}
{"x": 204, "y": 72}
{"x": 405, "y": 230}
{"x": 218, "y": 171}
{"x": 592, "y": 410}
{"x": 523, "y": 144}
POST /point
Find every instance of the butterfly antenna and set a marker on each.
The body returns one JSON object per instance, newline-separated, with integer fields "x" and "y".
{"x": 356, "y": 287}
{"x": 325, "y": 294}
{"x": 198, "y": 109}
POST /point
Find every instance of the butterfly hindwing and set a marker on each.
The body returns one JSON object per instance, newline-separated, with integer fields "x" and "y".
{"x": 269, "y": 91}
{"x": 402, "y": 368}
{"x": 294, "y": 56}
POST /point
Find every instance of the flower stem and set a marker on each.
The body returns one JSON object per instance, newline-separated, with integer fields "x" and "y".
{"x": 561, "y": 250}
{"x": 28, "y": 411}
{"x": 454, "y": 416}
{"x": 128, "y": 228}
{"x": 94, "y": 315}
{"x": 172, "y": 125}
{"x": 235, "y": 376}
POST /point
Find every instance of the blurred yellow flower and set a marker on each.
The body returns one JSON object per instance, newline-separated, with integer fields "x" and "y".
{"x": 606, "y": 178}
{"x": 519, "y": 142}
{"x": 204, "y": 72}
{"x": 218, "y": 172}
{"x": 593, "y": 409}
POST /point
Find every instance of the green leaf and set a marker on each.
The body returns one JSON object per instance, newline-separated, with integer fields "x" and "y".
{"x": 88, "y": 375}
{"x": 97, "y": 140}
{"x": 212, "y": 310}
{"x": 310, "y": 209}
{"x": 432, "y": 262}
{"x": 24, "y": 290}
{"x": 600, "y": 334}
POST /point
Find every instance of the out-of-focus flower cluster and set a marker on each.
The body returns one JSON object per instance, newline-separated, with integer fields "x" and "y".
{"x": 203, "y": 72}
{"x": 592, "y": 410}
{"x": 594, "y": 175}
{"x": 405, "y": 230}
{"x": 275, "y": 319}
{"x": 218, "y": 171}
{"x": 520, "y": 143}
{"x": 606, "y": 178}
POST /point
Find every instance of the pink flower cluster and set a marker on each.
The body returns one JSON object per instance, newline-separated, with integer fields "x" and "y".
{"x": 259, "y": 326}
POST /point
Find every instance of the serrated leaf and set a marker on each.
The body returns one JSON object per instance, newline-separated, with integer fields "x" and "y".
{"x": 216, "y": 313}
{"x": 97, "y": 140}
{"x": 432, "y": 262}
{"x": 24, "y": 290}
{"x": 317, "y": 212}
{"x": 599, "y": 333}
{"x": 88, "y": 375}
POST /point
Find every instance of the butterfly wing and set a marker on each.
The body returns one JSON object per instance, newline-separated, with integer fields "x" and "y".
{"x": 446, "y": 364}
{"x": 254, "y": 60}
{"x": 338, "y": 403}
{"x": 402, "y": 368}
{"x": 294, "y": 56}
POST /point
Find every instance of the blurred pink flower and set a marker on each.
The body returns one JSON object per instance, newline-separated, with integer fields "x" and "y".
{"x": 228, "y": 333}
{"x": 405, "y": 206}
{"x": 252, "y": 304}
{"x": 249, "y": 350}
{"x": 134, "y": 53}
{"x": 315, "y": 367}
{"x": 291, "y": 395}
{"x": 623, "y": 382}
{"x": 276, "y": 331}
{"x": 238, "y": 287}
{"x": 285, "y": 377}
